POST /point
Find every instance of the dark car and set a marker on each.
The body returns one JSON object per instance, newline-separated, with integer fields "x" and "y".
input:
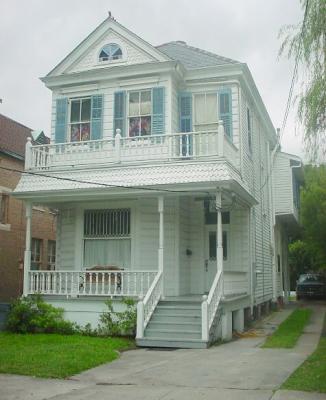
{"x": 311, "y": 285}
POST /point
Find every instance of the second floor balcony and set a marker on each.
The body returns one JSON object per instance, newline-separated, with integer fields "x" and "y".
{"x": 171, "y": 147}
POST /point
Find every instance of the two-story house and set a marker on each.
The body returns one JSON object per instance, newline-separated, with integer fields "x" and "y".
{"x": 160, "y": 166}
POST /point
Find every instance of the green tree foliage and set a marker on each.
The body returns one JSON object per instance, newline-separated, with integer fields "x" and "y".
{"x": 306, "y": 43}
{"x": 313, "y": 213}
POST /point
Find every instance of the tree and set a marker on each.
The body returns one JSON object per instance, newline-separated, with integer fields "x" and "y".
{"x": 313, "y": 213}
{"x": 306, "y": 43}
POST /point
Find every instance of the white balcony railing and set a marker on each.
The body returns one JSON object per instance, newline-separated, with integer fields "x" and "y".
{"x": 95, "y": 283}
{"x": 174, "y": 146}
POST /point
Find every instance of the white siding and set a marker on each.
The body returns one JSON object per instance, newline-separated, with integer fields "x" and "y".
{"x": 131, "y": 54}
{"x": 65, "y": 240}
{"x": 282, "y": 179}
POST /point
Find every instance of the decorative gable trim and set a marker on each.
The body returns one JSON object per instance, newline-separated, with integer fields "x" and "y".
{"x": 94, "y": 37}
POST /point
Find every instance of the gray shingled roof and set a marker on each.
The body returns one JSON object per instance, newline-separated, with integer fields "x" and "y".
{"x": 192, "y": 57}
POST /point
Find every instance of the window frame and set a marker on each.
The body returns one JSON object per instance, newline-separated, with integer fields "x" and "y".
{"x": 51, "y": 256}
{"x": 110, "y": 60}
{"x": 34, "y": 253}
{"x": 249, "y": 130}
{"x": 205, "y": 93}
{"x": 4, "y": 209}
{"x": 80, "y": 122}
{"x": 139, "y": 115}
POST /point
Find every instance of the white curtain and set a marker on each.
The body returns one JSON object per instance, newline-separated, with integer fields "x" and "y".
{"x": 205, "y": 111}
{"x": 107, "y": 252}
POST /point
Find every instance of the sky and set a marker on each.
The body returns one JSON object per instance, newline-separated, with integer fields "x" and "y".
{"x": 35, "y": 35}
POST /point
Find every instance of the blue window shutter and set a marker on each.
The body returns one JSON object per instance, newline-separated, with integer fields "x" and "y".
{"x": 119, "y": 112}
{"x": 225, "y": 110}
{"x": 185, "y": 112}
{"x": 96, "y": 117}
{"x": 158, "y": 111}
{"x": 61, "y": 120}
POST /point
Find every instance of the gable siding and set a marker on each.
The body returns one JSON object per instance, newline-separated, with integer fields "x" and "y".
{"x": 131, "y": 53}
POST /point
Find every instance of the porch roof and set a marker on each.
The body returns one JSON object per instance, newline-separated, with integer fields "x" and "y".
{"x": 129, "y": 177}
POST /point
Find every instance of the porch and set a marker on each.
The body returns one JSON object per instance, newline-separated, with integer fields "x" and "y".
{"x": 191, "y": 251}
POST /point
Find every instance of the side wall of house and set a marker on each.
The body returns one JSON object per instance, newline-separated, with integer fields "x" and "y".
{"x": 256, "y": 174}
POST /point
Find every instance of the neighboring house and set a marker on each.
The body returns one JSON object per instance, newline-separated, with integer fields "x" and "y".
{"x": 13, "y": 136}
{"x": 161, "y": 169}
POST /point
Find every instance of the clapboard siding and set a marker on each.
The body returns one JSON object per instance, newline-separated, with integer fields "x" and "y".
{"x": 65, "y": 239}
{"x": 282, "y": 179}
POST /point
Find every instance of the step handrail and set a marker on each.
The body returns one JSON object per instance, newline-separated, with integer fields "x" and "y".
{"x": 210, "y": 304}
{"x": 146, "y": 306}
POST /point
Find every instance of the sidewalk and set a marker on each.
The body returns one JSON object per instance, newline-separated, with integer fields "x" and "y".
{"x": 239, "y": 370}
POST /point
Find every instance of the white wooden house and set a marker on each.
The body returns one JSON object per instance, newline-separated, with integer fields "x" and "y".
{"x": 162, "y": 167}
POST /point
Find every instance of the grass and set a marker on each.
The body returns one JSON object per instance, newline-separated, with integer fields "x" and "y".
{"x": 289, "y": 331}
{"x": 56, "y": 356}
{"x": 311, "y": 375}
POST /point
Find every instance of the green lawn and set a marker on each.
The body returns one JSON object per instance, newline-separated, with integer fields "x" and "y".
{"x": 56, "y": 356}
{"x": 288, "y": 333}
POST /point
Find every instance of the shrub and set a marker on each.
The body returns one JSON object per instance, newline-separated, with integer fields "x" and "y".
{"x": 123, "y": 323}
{"x": 32, "y": 315}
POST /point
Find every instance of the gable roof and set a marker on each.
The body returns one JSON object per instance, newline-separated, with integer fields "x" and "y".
{"x": 109, "y": 24}
{"x": 13, "y": 137}
{"x": 193, "y": 57}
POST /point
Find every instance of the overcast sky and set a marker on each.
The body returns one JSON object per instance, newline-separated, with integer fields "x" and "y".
{"x": 35, "y": 35}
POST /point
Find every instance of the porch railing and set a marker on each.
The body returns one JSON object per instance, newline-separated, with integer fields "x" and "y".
{"x": 173, "y": 146}
{"x": 210, "y": 305}
{"x": 146, "y": 306}
{"x": 86, "y": 283}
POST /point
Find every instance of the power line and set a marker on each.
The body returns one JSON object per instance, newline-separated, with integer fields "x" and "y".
{"x": 97, "y": 183}
{"x": 288, "y": 104}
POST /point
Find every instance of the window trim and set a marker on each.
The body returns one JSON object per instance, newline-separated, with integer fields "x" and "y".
{"x": 51, "y": 262}
{"x": 112, "y": 60}
{"x": 41, "y": 254}
{"x": 69, "y": 123}
{"x": 127, "y": 117}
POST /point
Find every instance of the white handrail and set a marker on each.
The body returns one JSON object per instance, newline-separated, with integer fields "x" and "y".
{"x": 146, "y": 306}
{"x": 210, "y": 305}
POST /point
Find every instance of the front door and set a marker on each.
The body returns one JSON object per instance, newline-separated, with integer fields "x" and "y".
{"x": 210, "y": 266}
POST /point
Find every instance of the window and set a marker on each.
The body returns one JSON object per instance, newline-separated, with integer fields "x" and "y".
{"x": 107, "y": 238}
{"x": 80, "y": 119}
{"x": 36, "y": 258}
{"x": 249, "y": 130}
{"x": 51, "y": 254}
{"x": 205, "y": 111}
{"x": 140, "y": 113}
{"x": 110, "y": 52}
{"x": 4, "y": 206}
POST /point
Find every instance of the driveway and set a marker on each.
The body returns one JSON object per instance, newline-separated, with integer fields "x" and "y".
{"x": 237, "y": 370}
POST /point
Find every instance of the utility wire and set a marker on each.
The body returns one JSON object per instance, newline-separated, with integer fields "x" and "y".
{"x": 97, "y": 183}
{"x": 288, "y": 104}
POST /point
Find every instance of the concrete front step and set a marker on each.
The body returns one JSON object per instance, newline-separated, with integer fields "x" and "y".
{"x": 172, "y": 310}
{"x": 175, "y": 326}
{"x": 190, "y": 319}
{"x": 172, "y": 333}
{"x": 172, "y": 343}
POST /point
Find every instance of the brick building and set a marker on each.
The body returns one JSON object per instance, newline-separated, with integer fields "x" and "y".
{"x": 13, "y": 136}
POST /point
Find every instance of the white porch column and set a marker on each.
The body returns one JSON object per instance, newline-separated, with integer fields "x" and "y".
{"x": 161, "y": 237}
{"x": 27, "y": 253}
{"x": 219, "y": 234}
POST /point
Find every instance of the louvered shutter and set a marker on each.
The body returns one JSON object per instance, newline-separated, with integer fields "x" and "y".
{"x": 97, "y": 113}
{"x": 158, "y": 111}
{"x": 185, "y": 111}
{"x": 61, "y": 120}
{"x": 119, "y": 112}
{"x": 225, "y": 110}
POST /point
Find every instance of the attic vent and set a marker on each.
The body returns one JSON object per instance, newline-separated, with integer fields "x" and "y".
{"x": 110, "y": 52}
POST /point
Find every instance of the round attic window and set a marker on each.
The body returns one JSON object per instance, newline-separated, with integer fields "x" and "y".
{"x": 110, "y": 52}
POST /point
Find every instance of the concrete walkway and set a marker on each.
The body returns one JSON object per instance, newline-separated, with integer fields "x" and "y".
{"x": 237, "y": 370}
